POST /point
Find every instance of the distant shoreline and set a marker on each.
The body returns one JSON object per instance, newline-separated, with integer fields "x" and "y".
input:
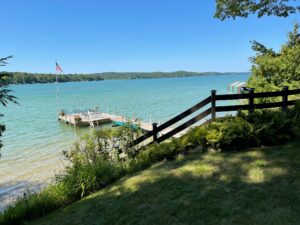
{"x": 18, "y": 78}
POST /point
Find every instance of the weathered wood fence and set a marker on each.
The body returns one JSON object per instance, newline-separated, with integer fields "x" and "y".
{"x": 213, "y": 109}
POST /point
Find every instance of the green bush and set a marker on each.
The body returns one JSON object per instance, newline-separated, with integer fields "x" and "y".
{"x": 223, "y": 134}
{"x": 156, "y": 153}
{"x": 272, "y": 127}
{"x": 84, "y": 179}
{"x": 263, "y": 127}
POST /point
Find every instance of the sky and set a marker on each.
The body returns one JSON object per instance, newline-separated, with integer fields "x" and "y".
{"x": 87, "y": 36}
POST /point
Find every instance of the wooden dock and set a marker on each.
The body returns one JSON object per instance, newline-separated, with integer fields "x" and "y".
{"x": 92, "y": 119}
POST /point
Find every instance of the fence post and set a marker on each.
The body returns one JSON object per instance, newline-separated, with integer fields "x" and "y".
{"x": 213, "y": 105}
{"x": 285, "y": 96}
{"x": 154, "y": 129}
{"x": 251, "y": 100}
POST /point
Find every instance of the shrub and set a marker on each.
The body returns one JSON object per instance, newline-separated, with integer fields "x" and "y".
{"x": 223, "y": 134}
{"x": 273, "y": 127}
{"x": 95, "y": 161}
{"x": 156, "y": 153}
{"x": 263, "y": 127}
{"x": 83, "y": 179}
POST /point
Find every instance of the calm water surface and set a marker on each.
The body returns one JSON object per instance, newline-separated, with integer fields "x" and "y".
{"x": 34, "y": 139}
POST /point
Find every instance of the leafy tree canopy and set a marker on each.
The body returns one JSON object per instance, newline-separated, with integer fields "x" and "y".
{"x": 5, "y": 94}
{"x": 243, "y": 8}
{"x": 272, "y": 70}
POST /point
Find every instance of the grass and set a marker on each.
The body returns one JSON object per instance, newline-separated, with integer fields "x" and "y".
{"x": 260, "y": 186}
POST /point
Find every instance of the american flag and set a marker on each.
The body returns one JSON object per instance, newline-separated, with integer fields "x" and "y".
{"x": 58, "y": 68}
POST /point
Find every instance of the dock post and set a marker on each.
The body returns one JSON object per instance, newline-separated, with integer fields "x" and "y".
{"x": 154, "y": 129}
{"x": 285, "y": 97}
{"x": 213, "y": 105}
{"x": 251, "y": 100}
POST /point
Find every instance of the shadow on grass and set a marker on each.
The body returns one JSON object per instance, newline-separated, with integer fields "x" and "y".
{"x": 251, "y": 187}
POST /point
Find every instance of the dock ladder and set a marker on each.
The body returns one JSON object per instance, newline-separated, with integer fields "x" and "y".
{"x": 91, "y": 121}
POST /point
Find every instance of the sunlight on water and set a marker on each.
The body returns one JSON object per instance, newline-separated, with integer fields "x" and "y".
{"x": 34, "y": 139}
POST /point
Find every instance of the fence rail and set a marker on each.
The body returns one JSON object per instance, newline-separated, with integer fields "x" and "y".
{"x": 213, "y": 109}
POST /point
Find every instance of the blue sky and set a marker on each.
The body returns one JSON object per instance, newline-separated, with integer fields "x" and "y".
{"x": 130, "y": 35}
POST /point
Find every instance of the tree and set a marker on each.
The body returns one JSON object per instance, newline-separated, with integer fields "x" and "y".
{"x": 243, "y": 8}
{"x": 272, "y": 70}
{"x": 5, "y": 94}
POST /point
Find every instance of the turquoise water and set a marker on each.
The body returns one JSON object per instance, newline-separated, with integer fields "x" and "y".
{"x": 35, "y": 139}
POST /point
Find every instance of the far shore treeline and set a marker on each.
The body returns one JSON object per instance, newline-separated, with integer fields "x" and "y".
{"x": 31, "y": 78}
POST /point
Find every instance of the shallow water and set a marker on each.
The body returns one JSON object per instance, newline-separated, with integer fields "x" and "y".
{"x": 34, "y": 139}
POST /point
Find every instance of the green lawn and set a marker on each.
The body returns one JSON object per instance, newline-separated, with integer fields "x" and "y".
{"x": 260, "y": 186}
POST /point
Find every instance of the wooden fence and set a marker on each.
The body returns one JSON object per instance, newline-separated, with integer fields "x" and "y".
{"x": 213, "y": 109}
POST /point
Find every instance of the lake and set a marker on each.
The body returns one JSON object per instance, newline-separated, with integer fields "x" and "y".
{"x": 34, "y": 139}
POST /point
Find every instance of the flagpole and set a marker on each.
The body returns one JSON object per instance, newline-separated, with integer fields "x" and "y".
{"x": 57, "y": 91}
